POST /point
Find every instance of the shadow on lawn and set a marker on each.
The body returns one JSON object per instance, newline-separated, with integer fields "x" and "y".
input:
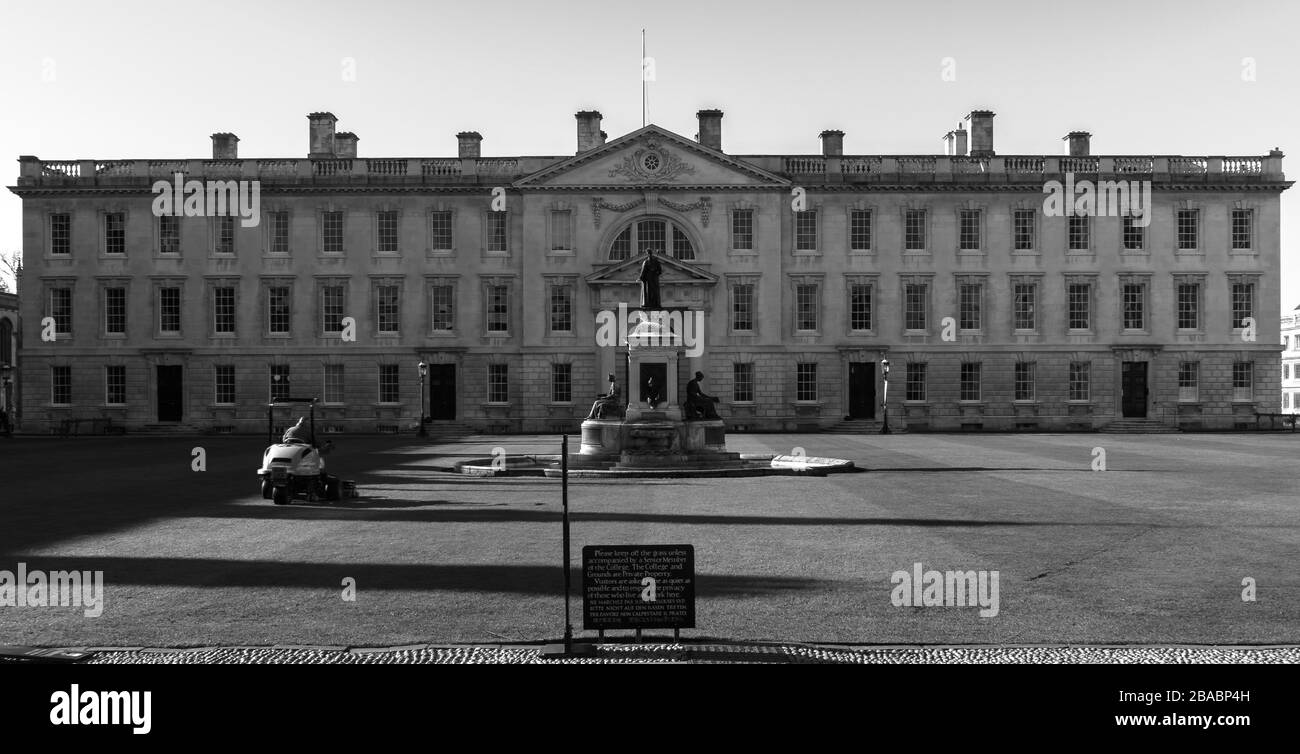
{"x": 512, "y": 579}
{"x": 468, "y": 514}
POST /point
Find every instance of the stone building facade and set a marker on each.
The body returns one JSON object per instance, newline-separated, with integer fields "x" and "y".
{"x": 810, "y": 271}
{"x": 1290, "y": 327}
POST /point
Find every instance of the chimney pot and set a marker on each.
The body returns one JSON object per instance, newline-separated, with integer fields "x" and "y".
{"x": 710, "y": 128}
{"x": 470, "y": 145}
{"x": 981, "y": 133}
{"x": 1077, "y": 143}
{"x": 832, "y": 143}
{"x": 589, "y": 133}
{"x": 321, "y": 135}
{"x": 225, "y": 146}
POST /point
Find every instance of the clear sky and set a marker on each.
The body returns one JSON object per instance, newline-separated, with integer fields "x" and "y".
{"x": 152, "y": 80}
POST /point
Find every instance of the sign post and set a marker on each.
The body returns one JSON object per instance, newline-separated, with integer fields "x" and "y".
{"x": 567, "y": 649}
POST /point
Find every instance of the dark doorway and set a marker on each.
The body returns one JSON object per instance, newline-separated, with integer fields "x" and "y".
{"x": 862, "y": 390}
{"x": 660, "y": 373}
{"x": 171, "y": 392}
{"x": 442, "y": 391}
{"x": 1133, "y": 389}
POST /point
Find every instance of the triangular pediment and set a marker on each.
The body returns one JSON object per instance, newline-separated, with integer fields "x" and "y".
{"x": 651, "y": 157}
{"x": 673, "y": 272}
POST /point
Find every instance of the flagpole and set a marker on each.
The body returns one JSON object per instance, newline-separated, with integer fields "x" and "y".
{"x": 643, "y": 83}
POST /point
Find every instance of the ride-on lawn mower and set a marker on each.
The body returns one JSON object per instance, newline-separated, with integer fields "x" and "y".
{"x": 294, "y": 467}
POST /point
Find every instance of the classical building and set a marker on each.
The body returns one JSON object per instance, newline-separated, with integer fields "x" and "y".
{"x": 993, "y": 309}
{"x": 1290, "y": 328}
{"x": 9, "y": 332}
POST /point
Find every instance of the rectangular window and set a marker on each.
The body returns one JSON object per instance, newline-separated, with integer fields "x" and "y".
{"x": 561, "y": 308}
{"x": 561, "y": 230}
{"x": 115, "y": 311}
{"x": 388, "y": 309}
{"x": 498, "y": 313}
{"x": 61, "y": 310}
{"x": 333, "y": 376}
{"x": 860, "y": 230}
{"x": 1078, "y": 232}
{"x": 332, "y": 232}
{"x": 1243, "y": 303}
{"x": 115, "y": 385}
{"x": 969, "y": 237}
{"x": 860, "y": 306}
{"x": 279, "y": 382}
{"x": 742, "y": 382}
{"x": 225, "y": 234}
{"x": 1023, "y": 221}
{"x": 1080, "y": 380}
{"x": 805, "y": 316}
{"x": 1243, "y": 380}
{"x": 1025, "y": 306}
{"x": 443, "y": 306}
{"x": 1188, "y": 221}
{"x": 169, "y": 310}
{"x": 386, "y": 227}
{"x": 1134, "y": 234}
{"x": 1080, "y": 306}
{"x": 61, "y": 385}
{"x": 277, "y": 309}
{"x": 805, "y": 230}
{"x": 169, "y": 234}
{"x": 440, "y": 238}
{"x": 497, "y": 238}
{"x": 1243, "y": 229}
{"x": 806, "y": 382}
{"x": 223, "y": 310}
{"x": 742, "y": 229}
{"x": 914, "y": 230}
{"x": 115, "y": 233}
{"x": 498, "y": 383}
{"x": 914, "y": 306}
{"x": 968, "y": 305}
{"x": 651, "y": 234}
{"x": 223, "y": 384}
{"x": 561, "y": 383}
{"x": 915, "y": 382}
{"x": 970, "y": 381}
{"x": 1189, "y": 377}
{"x": 1134, "y": 301}
{"x": 331, "y": 308}
{"x": 279, "y": 232}
{"x": 1189, "y": 306}
{"x": 61, "y": 233}
{"x": 388, "y": 383}
{"x": 1025, "y": 380}
{"x": 742, "y": 307}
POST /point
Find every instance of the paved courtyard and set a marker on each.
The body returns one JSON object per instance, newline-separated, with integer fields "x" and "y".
{"x": 1153, "y": 550}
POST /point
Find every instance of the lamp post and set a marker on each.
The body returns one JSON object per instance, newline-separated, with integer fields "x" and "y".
{"x": 884, "y": 401}
{"x": 424, "y": 372}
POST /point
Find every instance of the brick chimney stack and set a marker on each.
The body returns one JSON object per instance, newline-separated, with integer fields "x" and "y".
{"x": 832, "y": 143}
{"x": 710, "y": 134}
{"x": 954, "y": 142}
{"x": 469, "y": 145}
{"x": 981, "y": 133}
{"x": 588, "y": 130}
{"x": 345, "y": 145}
{"x": 321, "y": 135}
{"x": 1078, "y": 143}
{"x": 225, "y": 146}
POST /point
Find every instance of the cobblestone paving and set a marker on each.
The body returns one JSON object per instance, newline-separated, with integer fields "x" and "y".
{"x": 708, "y": 653}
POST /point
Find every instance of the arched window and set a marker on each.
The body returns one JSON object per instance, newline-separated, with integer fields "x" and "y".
{"x": 6, "y": 342}
{"x": 661, "y": 235}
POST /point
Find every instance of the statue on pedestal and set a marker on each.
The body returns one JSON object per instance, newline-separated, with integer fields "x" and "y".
{"x": 698, "y": 405}
{"x": 649, "y": 277}
{"x": 653, "y": 393}
{"x": 607, "y": 405}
